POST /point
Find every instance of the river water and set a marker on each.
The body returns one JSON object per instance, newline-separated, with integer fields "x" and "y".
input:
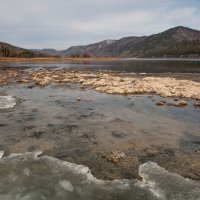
{"x": 127, "y": 65}
{"x": 70, "y": 124}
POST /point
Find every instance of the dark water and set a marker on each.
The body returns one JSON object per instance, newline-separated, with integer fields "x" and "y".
{"x": 137, "y": 66}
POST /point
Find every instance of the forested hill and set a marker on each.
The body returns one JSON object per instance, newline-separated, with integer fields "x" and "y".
{"x": 7, "y": 50}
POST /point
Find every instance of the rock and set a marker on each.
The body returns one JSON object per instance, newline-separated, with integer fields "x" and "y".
{"x": 40, "y": 83}
{"x": 182, "y": 103}
{"x": 36, "y": 135}
{"x": 161, "y": 103}
{"x": 30, "y": 86}
{"x": 125, "y": 93}
{"x": 79, "y": 99}
{"x": 101, "y": 154}
{"x": 197, "y": 104}
{"x": 22, "y": 80}
{"x": 178, "y": 103}
{"x": 84, "y": 135}
{"x": 118, "y": 134}
{"x": 114, "y": 156}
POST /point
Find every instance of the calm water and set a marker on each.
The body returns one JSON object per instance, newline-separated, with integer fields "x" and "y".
{"x": 138, "y": 66}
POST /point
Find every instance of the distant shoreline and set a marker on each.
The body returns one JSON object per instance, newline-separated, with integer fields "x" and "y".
{"x": 59, "y": 59}
{"x": 45, "y": 59}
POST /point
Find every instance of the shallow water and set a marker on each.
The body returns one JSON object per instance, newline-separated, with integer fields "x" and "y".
{"x": 69, "y": 123}
{"x": 75, "y": 124}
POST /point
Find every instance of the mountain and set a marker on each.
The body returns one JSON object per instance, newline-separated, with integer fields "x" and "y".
{"x": 175, "y": 42}
{"x": 92, "y": 49}
{"x": 50, "y": 52}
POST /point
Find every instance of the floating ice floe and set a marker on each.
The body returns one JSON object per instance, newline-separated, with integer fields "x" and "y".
{"x": 7, "y": 102}
{"x": 166, "y": 185}
{"x": 32, "y": 176}
{"x": 1, "y": 154}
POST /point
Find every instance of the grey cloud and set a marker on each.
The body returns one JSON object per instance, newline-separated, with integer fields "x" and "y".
{"x": 62, "y": 23}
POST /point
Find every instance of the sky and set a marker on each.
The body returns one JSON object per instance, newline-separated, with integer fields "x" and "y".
{"x": 59, "y": 24}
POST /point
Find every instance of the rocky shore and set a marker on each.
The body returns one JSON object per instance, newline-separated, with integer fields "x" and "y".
{"x": 108, "y": 82}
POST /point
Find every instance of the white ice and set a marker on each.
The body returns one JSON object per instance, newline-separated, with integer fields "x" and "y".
{"x": 7, "y": 102}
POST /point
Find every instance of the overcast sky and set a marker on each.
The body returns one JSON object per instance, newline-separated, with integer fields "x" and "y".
{"x": 62, "y": 23}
